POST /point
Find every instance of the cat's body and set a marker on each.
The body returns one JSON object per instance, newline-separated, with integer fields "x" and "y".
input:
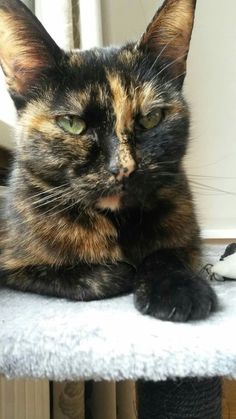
{"x": 99, "y": 203}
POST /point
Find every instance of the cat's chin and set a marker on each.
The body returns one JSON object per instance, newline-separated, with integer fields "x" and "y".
{"x": 112, "y": 202}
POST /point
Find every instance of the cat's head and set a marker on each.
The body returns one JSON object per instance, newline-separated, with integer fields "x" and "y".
{"x": 106, "y": 123}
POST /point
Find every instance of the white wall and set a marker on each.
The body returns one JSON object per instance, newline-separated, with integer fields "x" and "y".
{"x": 211, "y": 91}
{"x": 126, "y": 20}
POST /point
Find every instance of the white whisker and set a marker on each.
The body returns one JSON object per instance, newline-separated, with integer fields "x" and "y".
{"x": 47, "y": 201}
{"x": 170, "y": 64}
{"x": 47, "y": 191}
{"x": 177, "y": 77}
{"x": 162, "y": 51}
{"x": 211, "y": 188}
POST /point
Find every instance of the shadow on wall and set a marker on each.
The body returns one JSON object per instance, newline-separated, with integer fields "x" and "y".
{"x": 6, "y": 144}
{"x": 6, "y": 135}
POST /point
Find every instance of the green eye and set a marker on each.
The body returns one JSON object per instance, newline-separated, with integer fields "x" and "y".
{"x": 72, "y": 124}
{"x": 151, "y": 120}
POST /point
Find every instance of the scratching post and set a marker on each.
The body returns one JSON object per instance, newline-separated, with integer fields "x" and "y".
{"x": 181, "y": 399}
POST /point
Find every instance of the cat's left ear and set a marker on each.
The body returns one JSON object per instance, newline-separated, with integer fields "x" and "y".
{"x": 26, "y": 49}
{"x": 169, "y": 33}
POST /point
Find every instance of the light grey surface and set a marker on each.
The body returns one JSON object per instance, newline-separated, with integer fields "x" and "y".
{"x": 58, "y": 339}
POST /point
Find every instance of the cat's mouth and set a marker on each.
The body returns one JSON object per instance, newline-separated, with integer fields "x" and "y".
{"x": 115, "y": 197}
{"x": 111, "y": 202}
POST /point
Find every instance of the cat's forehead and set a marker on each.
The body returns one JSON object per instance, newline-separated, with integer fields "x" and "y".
{"x": 106, "y": 57}
{"x": 94, "y": 67}
{"x": 113, "y": 74}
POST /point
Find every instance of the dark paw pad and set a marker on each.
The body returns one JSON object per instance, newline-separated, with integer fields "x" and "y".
{"x": 178, "y": 299}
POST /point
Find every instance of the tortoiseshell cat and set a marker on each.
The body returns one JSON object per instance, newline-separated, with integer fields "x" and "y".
{"x": 98, "y": 201}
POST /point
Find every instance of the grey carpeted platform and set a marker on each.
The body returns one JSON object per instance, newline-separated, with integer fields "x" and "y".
{"x": 58, "y": 339}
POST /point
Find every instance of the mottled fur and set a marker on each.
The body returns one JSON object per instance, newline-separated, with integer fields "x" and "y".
{"x": 108, "y": 211}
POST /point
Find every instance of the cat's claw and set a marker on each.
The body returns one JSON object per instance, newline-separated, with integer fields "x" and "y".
{"x": 178, "y": 300}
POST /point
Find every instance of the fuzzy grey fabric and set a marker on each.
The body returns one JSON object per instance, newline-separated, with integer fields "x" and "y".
{"x": 59, "y": 339}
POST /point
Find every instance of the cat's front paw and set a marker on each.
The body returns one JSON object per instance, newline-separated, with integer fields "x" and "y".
{"x": 177, "y": 299}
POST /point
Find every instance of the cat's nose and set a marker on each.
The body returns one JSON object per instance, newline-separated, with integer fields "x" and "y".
{"x": 121, "y": 160}
{"x": 120, "y": 171}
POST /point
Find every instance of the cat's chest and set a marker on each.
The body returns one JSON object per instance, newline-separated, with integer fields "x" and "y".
{"x": 137, "y": 234}
{"x": 94, "y": 240}
{"x": 105, "y": 238}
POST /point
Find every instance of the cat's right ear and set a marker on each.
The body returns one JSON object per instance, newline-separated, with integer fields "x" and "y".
{"x": 168, "y": 35}
{"x": 27, "y": 51}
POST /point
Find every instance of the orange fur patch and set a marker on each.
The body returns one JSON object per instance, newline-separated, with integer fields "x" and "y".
{"x": 123, "y": 105}
{"x": 110, "y": 202}
{"x": 50, "y": 240}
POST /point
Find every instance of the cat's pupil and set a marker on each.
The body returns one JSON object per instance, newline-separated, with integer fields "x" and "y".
{"x": 71, "y": 121}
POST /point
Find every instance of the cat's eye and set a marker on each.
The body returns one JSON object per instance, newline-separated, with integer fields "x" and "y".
{"x": 72, "y": 124}
{"x": 151, "y": 120}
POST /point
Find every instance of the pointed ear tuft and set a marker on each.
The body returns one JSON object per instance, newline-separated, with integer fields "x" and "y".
{"x": 26, "y": 49}
{"x": 169, "y": 33}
